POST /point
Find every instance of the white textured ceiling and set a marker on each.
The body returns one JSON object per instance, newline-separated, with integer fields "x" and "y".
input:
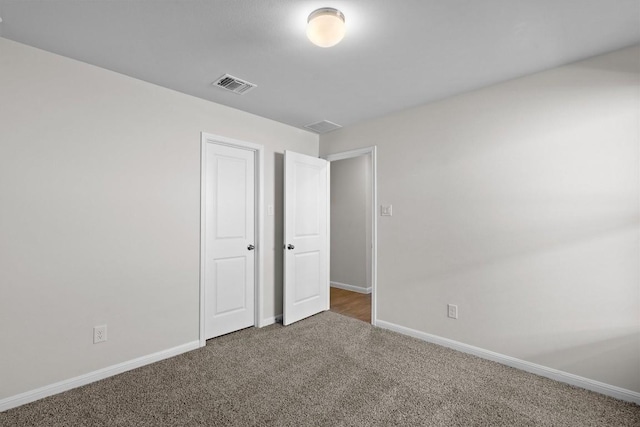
{"x": 396, "y": 54}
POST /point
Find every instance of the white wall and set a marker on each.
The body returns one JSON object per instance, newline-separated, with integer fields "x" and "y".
{"x": 351, "y": 223}
{"x": 519, "y": 203}
{"x": 100, "y": 214}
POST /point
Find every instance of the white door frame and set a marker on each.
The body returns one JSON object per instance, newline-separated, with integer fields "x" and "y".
{"x": 207, "y": 138}
{"x": 374, "y": 214}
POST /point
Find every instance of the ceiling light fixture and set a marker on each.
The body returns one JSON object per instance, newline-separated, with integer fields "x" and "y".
{"x": 325, "y": 27}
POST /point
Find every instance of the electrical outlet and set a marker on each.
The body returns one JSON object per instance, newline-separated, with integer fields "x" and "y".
{"x": 269, "y": 210}
{"x": 386, "y": 210}
{"x": 99, "y": 334}
{"x": 452, "y": 311}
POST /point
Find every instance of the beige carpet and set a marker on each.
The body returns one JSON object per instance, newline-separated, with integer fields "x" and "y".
{"x": 328, "y": 370}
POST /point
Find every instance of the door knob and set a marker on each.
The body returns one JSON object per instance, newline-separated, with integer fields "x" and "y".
{"x": 250, "y": 247}
{"x": 290, "y": 246}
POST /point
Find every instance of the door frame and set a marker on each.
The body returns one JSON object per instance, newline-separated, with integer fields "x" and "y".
{"x": 374, "y": 216}
{"x": 258, "y": 150}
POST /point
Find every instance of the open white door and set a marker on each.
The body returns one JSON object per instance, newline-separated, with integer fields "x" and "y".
{"x": 306, "y": 236}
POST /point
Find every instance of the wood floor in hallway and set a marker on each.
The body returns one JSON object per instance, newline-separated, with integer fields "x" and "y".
{"x": 352, "y": 304}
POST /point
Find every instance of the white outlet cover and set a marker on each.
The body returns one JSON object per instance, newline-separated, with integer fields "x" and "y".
{"x": 99, "y": 334}
{"x": 386, "y": 210}
{"x": 270, "y": 210}
{"x": 452, "y": 311}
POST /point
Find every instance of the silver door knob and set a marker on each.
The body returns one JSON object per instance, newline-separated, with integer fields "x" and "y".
{"x": 250, "y": 247}
{"x": 290, "y": 246}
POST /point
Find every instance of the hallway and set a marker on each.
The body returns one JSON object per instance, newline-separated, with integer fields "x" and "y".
{"x": 352, "y": 304}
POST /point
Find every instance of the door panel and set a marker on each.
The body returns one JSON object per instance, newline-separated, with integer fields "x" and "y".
{"x": 306, "y": 237}
{"x": 307, "y": 276}
{"x": 229, "y": 230}
{"x": 231, "y": 185}
{"x": 229, "y": 298}
{"x": 306, "y": 182}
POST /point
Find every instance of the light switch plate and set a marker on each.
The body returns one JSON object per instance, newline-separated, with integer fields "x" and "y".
{"x": 386, "y": 210}
{"x": 270, "y": 210}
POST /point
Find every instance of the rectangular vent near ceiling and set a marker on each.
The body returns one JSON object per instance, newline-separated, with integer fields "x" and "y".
{"x": 234, "y": 84}
{"x": 323, "y": 126}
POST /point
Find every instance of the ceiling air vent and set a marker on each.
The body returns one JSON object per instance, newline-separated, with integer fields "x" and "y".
{"x": 323, "y": 127}
{"x": 234, "y": 84}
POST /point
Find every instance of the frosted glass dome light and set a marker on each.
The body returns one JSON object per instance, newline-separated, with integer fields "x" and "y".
{"x": 325, "y": 27}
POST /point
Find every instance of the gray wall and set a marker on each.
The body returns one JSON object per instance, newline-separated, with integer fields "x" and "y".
{"x": 100, "y": 214}
{"x": 519, "y": 203}
{"x": 351, "y": 222}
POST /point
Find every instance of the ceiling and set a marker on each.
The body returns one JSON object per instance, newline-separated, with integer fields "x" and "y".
{"x": 396, "y": 54}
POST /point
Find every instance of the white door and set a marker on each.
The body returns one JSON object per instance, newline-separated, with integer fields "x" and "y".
{"x": 229, "y": 270}
{"x": 306, "y": 236}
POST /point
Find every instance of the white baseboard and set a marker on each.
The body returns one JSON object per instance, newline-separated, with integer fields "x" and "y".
{"x": 59, "y": 387}
{"x": 351, "y": 288}
{"x": 271, "y": 320}
{"x": 543, "y": 371}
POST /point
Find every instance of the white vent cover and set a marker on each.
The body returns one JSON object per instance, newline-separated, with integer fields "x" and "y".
{"x": 323, "y": 126}
{"x": 234, "y": 84}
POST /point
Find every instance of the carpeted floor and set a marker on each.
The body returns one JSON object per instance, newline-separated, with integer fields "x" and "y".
{"x": 328, "y": 370}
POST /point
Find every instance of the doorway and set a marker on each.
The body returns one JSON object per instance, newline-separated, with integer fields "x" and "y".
{"x": 353, "y": 233}
{"x": 231, "y": 254}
